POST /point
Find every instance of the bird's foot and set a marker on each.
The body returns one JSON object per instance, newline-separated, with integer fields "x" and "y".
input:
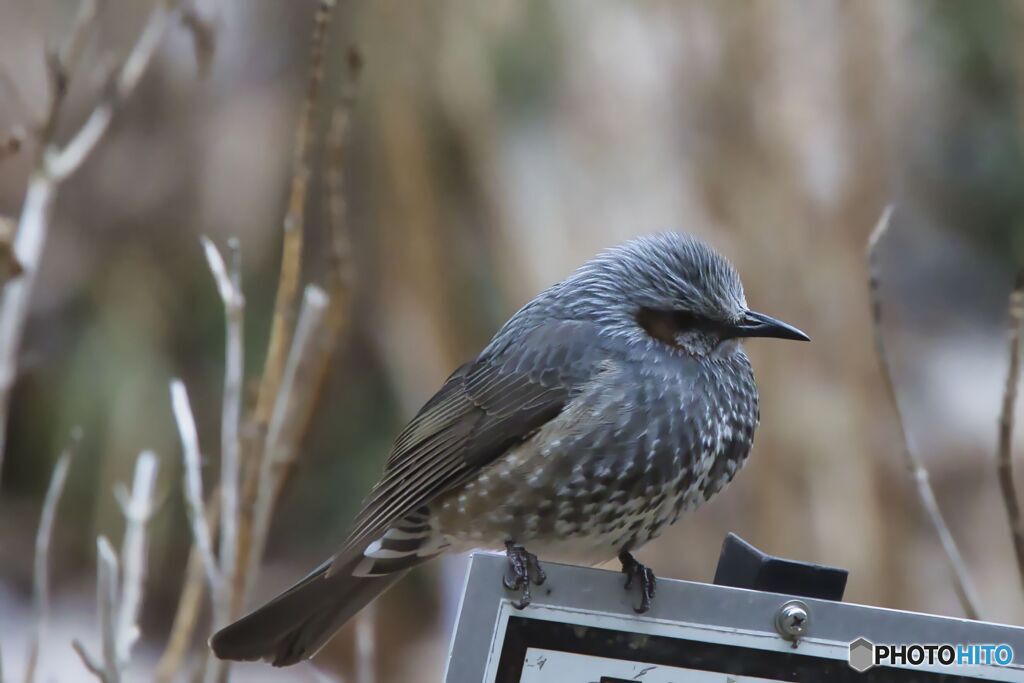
{"x": 634, "y": 570}
{"x": 525, "y": 569}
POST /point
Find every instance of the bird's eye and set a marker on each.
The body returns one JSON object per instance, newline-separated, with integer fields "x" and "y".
{"x": 666, "y": 326}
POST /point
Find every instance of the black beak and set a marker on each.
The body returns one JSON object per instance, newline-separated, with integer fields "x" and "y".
{"x": 760, "y": 325}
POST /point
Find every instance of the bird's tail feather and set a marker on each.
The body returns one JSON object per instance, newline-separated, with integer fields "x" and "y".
{"x": 297, "y": 623}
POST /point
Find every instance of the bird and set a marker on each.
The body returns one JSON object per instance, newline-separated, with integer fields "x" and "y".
{"x": 612, "y": 403}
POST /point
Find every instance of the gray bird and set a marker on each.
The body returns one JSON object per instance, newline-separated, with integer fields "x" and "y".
{"x": 613, "y": 402}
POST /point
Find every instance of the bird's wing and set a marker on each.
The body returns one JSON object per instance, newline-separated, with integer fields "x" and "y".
{"x": 485, "y": 407}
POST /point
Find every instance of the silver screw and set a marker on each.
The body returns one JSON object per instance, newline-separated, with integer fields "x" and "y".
{"x": 792, "y": 620}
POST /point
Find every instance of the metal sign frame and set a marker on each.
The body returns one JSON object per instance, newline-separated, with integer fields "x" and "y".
{"x": 581, "y": 624}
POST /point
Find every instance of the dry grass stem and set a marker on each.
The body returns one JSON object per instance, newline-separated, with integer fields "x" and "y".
{"x": 1004, "y": 453}
{"x": 41, "y": 568}
{"x": 958, "y": 569}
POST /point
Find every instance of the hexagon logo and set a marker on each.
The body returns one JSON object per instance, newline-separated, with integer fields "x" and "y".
{"x": 862, "y": 655}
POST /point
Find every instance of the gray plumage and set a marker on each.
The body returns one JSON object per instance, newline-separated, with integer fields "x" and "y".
{"x": 613, "y": 402}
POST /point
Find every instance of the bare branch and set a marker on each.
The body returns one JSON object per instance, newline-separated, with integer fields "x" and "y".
{"x": 958, "y": 569}
{"x": 62, "y": 163}
{"x": 231, "y": 416}
{"x": 230, "y": 288}
{"x": 61, "y": 63}
{"x": 189, "y": 603}
{"x": 291, "y": 257}
{"x": 133, "y": 554}
{"x": 119, "y": 584}
{"x": 204, "y": 38}
{"x": 41, "y": 569}
{"x": 284, "y": 312}
{"x": 10, "y": 267}
{"x": 27, "y": 250}
{"x": 193, "y": 485}
{"x": 225, "y": 282}
{"x": 55, "y": 164}
{"x": 108, "y": 607}
{"x": 339, "y": 274}
{"x": 1004, "y": 455}
{"x": 94, "y": 667}
{"x": 297, "y": 393}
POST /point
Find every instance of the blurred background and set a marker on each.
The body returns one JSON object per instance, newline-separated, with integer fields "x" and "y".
{"x": 493, "y": 148}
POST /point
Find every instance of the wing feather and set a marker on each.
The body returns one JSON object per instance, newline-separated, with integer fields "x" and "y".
{"x": 484, "y": 407}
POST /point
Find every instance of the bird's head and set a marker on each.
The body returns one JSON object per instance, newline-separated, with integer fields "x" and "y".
{"x": 674, "y": 289}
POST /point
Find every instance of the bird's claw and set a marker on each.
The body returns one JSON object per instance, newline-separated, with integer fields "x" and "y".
{"x": 634, "y": 570}
{"x": 525, "y": 569}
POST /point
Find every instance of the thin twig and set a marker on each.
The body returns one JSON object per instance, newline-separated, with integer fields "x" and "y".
{"x": 958, "y": 569}
{"x": 35, "y": 214}
{"x": 193, "y": 484}
{"x": 137, "y": 511}
{"x": 60, "y": 163}
{"x": 297, "y": 391}
{"x": 41, "y": 569}
{"x": 55, "y": 164}
{"x": 204, "y": 38}
{"x": 230, "y": 287}
{"x": 284, "y": 310}
{"x": 61, "y": 63}
{"x": 189, "y": 602}
{"x": 250, "y": 476}
{"x": 108, "y": 607}
{"x": 340, "y": 271}
{"x": 90, "y": 664}
{"x": 1004, "y": 456}
{"x": 291, "y": 255}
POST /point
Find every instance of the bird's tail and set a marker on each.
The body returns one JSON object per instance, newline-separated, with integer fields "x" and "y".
{"x": 296, "y": 624}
